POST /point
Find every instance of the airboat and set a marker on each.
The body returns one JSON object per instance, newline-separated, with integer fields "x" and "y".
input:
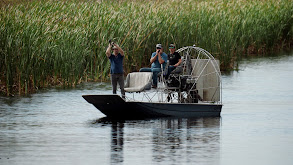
{"x": 193, "y": 89}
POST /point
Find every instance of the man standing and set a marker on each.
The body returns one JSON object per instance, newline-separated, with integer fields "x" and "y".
{"x": 158, "y": 58}
{"x": 116, "y": 71}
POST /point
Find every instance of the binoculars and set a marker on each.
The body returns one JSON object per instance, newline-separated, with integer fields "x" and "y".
{"x": 111, "y": 42}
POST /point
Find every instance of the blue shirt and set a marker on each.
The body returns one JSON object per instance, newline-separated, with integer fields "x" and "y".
{"x": 156, "y": 63}
{"x": 116, "y": 63}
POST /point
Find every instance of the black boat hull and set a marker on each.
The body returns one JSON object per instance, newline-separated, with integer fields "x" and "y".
{"x": 114, "y": 106}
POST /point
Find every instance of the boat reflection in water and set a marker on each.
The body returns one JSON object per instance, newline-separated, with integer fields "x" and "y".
{"x": 167, "y": 140}
{"x": 117, "y": 142}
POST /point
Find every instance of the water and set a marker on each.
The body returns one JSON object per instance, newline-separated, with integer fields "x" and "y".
{"x": 57, "y": 126}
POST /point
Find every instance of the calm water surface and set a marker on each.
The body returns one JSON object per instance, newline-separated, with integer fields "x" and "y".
{"x": 58, "y": 127}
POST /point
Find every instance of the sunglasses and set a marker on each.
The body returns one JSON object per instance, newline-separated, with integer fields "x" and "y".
{"x": 158, "y": 48}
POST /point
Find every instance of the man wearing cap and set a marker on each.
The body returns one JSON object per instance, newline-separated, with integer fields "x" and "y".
{"x": 174, "y": 59}
{"x": 116, "y": 60}
{"x": 158, "y": 58}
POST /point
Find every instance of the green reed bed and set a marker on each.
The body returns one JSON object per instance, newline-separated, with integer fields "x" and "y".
{"x": 63, "y": 42}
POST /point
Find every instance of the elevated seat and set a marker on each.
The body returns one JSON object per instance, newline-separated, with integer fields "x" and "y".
{"x": 138, "y": 81}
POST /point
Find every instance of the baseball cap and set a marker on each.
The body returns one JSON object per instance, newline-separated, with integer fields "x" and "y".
{"x": 159, "y": 46}
{"x": 171, "y": 46}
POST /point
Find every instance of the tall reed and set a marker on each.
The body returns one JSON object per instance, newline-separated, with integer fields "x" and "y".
{"x": 46, "y": 43}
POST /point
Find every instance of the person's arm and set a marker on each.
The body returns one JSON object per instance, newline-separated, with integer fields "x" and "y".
{"x": 161, "y": 59}
{"x": 119, "y": 49}
{"x": 108, "y": 51}
{"x": 153, "y": 59}
{"x": 178, "y": 63}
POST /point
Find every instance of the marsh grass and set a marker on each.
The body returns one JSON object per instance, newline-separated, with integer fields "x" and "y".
{"x": 47, "y": 43}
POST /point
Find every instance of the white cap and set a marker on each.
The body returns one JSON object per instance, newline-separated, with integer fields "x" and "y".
{"x": 159, "y": 46}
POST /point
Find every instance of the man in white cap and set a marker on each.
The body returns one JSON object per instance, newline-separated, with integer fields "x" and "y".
{"x": 158, "y": 58}
{"x": 116, "y": 70}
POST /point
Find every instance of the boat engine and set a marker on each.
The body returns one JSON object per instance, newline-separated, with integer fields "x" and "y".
{"x": 184, "y": 83}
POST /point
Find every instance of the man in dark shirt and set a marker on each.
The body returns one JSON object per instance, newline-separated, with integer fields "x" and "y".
{"x": 116, "y": 60}
{"x": 174, "y": 59}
